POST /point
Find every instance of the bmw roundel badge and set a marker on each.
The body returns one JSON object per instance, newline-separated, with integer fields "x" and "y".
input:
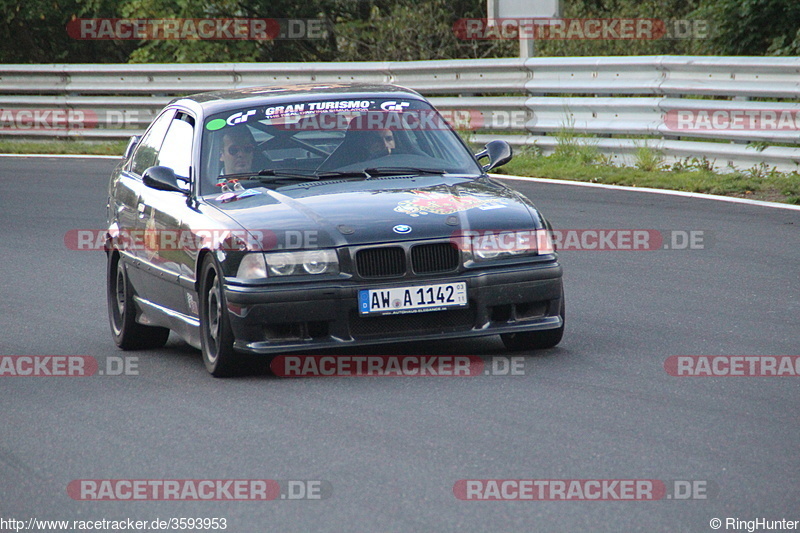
{"x": 402, "y": 229}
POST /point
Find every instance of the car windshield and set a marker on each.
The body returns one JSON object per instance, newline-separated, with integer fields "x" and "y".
{"x": 330, "y": 138}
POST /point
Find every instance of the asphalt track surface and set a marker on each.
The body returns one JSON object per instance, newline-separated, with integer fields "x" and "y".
{"x": 599, "y": 406}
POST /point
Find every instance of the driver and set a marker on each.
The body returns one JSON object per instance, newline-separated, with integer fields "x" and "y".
{"x": 238, "y": 146}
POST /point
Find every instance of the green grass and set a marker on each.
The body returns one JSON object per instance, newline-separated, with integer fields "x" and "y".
{"x": 14, "y": 146}
{"x": 758, "y": 183}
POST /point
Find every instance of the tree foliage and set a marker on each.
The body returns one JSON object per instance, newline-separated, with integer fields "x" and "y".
{"x": 34, "y": 31}
{"x": 753, "y": 27}
{"x": 667, "y": 11}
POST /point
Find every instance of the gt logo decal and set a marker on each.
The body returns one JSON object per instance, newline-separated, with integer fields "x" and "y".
{"x": 394, "y": 106}
{"x": 238, "y": 118}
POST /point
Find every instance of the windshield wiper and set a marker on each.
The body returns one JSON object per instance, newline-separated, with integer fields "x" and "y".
{"x": 342, "y": 174}
{"x": 294, "y": 173}
{"x": 375, "y": 172}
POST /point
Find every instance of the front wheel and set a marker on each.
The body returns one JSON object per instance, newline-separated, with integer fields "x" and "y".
{"x": 216, "y": 336}
{"x": 128, "y": 334}
{"x": 536, "y": 340}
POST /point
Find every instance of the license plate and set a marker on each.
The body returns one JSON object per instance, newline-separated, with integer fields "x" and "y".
{"x": 417, "y": 299}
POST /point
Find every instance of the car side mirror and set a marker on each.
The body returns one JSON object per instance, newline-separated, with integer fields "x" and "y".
{"x": 498, "y": 152}
{"x": 132, "y": 144}
{"x": 162, "y": 179}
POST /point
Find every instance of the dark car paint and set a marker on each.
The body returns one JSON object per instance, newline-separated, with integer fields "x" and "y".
{"x": 344, "y": 214}
{"x": 370, "y": 209}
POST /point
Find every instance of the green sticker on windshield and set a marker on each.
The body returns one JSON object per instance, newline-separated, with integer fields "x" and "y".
{"x": 216, "y": 124}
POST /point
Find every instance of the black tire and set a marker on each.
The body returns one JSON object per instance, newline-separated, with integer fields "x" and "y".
{"x": 128, "y": 334}
{"x": 536, "y": 340}
{"x": 216, "y": 336}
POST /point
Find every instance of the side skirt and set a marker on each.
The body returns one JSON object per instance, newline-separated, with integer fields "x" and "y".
{"x": 188, "y": 327}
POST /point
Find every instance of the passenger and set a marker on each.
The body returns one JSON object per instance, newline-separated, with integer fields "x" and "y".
{"x": 388, "y": 140}
{"x": 376, "y": 144}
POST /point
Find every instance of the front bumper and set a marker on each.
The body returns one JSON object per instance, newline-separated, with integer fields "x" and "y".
{"x": 286, "y": 318}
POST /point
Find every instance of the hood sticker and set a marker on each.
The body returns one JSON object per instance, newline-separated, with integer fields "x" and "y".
{"x": 444, "y": 204}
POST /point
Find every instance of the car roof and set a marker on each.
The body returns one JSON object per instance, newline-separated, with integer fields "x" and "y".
{"x": 219, "y": 101}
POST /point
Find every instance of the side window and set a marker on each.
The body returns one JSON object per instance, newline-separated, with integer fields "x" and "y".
{"x": 176, "y": 151}
{"x": 146, "y": 152}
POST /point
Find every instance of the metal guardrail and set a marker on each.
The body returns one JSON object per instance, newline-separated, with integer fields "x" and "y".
{"x": 530, "y": 100}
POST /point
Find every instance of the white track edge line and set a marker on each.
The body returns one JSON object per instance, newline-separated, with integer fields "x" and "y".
{"x": 699, "y": 195}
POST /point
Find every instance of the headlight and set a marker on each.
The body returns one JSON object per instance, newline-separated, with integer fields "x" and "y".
{"x": 318, "y": 261}
{"x": 504, "y": 244}
{"x": 302, "y": 263}
{"x": 252, "y": 267}
{"x": 282, "y": 264}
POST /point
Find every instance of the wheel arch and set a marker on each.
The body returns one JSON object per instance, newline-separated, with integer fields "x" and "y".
{"x": 198, "y": 268}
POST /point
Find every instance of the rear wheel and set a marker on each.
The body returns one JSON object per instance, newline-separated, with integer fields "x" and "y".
{"x": 535, "y": 340}
{"x": 215, "y": 329}
{"x": 128, "y": 334}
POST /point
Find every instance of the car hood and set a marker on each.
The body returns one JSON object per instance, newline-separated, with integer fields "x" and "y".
{"x": 356, "y": 212}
